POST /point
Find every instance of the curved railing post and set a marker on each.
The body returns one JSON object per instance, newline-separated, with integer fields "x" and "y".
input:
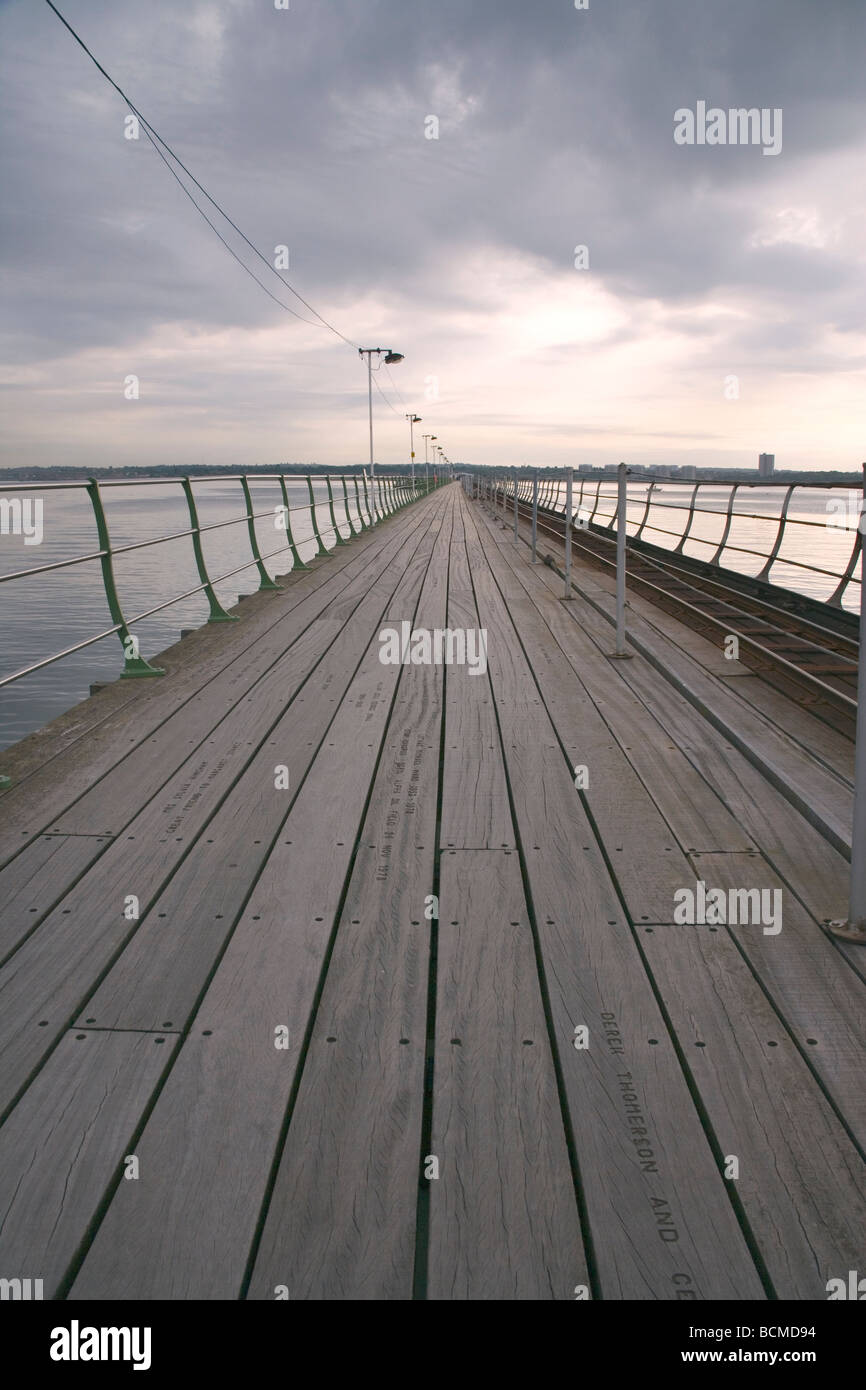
{"x": 297, "y": 562}
{"x": 646, "y": 511}
{"x": 265, "y": 581}
{"x": 352, "y": 531}
{"x": 338, "y": 539}
{"x": 783, "y": 516}
{"x": 370, "y": 510}
{"x": 613, "y": 524}
{"x": 684, "y": 537}
{"x": 133, "y": 663}
{"x": 728, "y": 522}
{"x": 217, "y": 613}
{"x": 363, "y": 523}
{"x": 836, "y": 596}
{"x": 596, "y": 502}
{"x": 321, "y": 550}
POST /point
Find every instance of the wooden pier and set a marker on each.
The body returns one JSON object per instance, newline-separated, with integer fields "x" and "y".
{"x": 325, "y": 978}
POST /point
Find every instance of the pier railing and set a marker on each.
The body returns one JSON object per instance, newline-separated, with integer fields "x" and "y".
{"x": 373, "y": 498}
{"x": 707, "y": 519}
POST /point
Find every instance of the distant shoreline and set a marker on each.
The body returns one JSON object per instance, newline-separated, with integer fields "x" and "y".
{"x": 70, "y": 473}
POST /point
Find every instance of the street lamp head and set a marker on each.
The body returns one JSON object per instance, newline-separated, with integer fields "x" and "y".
{"x": 392, "y": 357}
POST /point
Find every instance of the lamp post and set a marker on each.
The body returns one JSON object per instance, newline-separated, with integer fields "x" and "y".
{"x": 390, "y": 356}
{"x": 413, "y": 421}
{"x": 428, "y": 439}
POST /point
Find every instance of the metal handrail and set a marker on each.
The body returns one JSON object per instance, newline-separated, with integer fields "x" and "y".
{"x": 641, "y": 491}
{"x": 388, "y": 495}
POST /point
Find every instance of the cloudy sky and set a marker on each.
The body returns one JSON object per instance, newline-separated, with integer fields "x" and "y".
{"x": 722, "y": 312}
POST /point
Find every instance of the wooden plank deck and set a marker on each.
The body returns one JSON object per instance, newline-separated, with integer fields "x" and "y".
{"x": 420, "y": 1025}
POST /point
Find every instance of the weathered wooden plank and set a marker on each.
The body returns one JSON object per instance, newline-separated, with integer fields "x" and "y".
{"x": 33, "y": 882}
{"x": 227, "y": 715}
{"x": 813, "y": 868}
{"x": 801, "y": 1180}
{"x": 644, "y": 857}
{"x": 820, "y": 739}
{"x": 160, "y": 975}
{"x": 475, "y": 809}
{"x": 807, "y": 782}
{"x": 645, "y": 1162}
{"x": 215, "y": 1129}
{"x": 45, "y": 984}
{"x": 342, "y": 1214}
{"x": 503, "y": 1212}
{"x": 811, "y": 985}
{"x": 65, "y": 1144}
{"x": 695, "y": 814}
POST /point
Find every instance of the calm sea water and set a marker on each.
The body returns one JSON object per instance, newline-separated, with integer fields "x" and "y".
{"x": 43, "y": 614}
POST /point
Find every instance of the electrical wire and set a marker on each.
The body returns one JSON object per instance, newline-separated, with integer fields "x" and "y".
{"x": 385, "y": 398}
{"x": 155, "y": 137}
{"x": 394, "y": 384}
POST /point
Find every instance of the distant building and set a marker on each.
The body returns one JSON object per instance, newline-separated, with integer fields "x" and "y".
{"x": 766, "y": 464}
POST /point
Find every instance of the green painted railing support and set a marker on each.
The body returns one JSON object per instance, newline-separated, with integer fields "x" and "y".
{"x": 364, "y": 526}
{"x": 322, "y": 551}
{"x": 338, "y": 539}
{"x": 297, "y": 562}
{"x": 371, "y": 505}
{"x": 352, "y": 531}
{"x": 265, "y": 581}
{"x": 133, "y": 664}
{"x": 370, "y": 522}
{"x": 217, "y": 613}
